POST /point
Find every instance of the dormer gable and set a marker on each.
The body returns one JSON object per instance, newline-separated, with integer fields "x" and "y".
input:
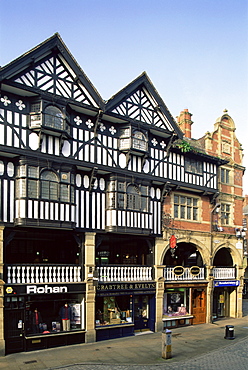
{"x": 50, "y": 68}
{"x": 140, "y": 103}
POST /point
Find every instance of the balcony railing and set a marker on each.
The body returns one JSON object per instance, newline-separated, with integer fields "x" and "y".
{"x": 224, "y": 272}
{"x": 169, "y": 274}
{"x": 124, "y": 273}
{"x": 34, "y": 274}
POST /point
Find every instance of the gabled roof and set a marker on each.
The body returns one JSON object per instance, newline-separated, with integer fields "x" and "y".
{"x": 139, "y": 101}
{"x": 36, "y": 70}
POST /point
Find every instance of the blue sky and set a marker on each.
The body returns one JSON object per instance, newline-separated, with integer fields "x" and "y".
{"x": 194, "y": 51}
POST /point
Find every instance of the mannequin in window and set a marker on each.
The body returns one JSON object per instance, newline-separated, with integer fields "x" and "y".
{"x": 36, "y": 321}
{"x": 65, "y": 313}
{"x": 182, "y": 310}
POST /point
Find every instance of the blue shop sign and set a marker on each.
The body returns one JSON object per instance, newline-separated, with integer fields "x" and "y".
{"x": 220, "y": 283}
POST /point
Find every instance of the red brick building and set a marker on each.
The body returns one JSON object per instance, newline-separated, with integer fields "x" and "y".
{"x": 206, "y": 229}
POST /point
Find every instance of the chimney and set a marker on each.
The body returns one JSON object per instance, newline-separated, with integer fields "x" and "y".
{"x": 184, "y": 122}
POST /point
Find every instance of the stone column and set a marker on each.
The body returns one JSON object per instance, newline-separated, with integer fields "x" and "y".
{"x": 159, "y": 278}
{"x": 90, "y": 289}
{"x": 210, "y": 294}
{"x": 2, "y": 341}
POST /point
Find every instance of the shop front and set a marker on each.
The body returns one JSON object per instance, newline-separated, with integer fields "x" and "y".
{"x": 184, "y": 304}
{"x": 223, "y": 291}
{"x": 124, "y": 308}
{"x": 38, "y": 316}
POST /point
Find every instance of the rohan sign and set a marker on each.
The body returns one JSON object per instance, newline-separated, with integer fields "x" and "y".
{"x": 34, "y": 289}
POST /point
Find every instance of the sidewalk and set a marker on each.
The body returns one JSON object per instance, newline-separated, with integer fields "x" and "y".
{"x": 143, "y": 349}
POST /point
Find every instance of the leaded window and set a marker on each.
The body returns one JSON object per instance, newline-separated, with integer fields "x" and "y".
{"x": 225, "y": 176}
{"x": 127, "y": 196}
{"x": 49, "y": 185}
{"x": 54, "y": 118}
{"x": 185, "y": 208}
{"x": 225, "y": 213}
{"x": 193, "y": 166}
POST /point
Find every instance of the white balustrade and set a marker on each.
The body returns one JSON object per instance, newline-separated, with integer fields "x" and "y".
{"x": 186, "y": 275}
{"x": 26, "y": 274}
{"x": 224, "y": 273}
{"x": 124, "y": 273}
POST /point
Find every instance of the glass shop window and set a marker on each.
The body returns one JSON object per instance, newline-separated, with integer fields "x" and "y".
{"x": 113, "y": 310}
{"x": 44, "y": 317}
{"x": 176, "y": 302}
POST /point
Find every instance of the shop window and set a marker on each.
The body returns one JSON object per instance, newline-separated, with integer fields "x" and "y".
{"x": 53, "y": 316}
{"x": 113, "y": 310}
{"x": 176, "y": 302}
{"x": 185, "y": 208}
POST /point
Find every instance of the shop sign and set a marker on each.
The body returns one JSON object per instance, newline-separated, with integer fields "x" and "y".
{"x": 126, "y": 286}
{"x": 195, "y": 270}
{"x": 46, "y": 289}
{"x": 173, "y": 241}
{"x": 220, "y": 283}
{"x": 178, "y": 270}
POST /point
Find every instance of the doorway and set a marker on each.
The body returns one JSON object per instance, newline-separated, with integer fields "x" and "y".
{"x": 14, "y": 331}
{"x": 199, "y": 306}
{"x": 141, "y": 313}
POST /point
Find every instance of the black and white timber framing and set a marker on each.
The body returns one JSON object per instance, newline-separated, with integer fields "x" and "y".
{"x": 95, "y": 153}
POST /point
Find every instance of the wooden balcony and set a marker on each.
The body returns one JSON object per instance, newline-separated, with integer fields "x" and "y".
{"x": 223, "y": 273}
{"x": 124, "y": 273}
{"x": 169, "y": 274}
{"x": 43, "y": 273}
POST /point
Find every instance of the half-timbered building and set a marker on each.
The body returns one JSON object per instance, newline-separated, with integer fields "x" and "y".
{"x": 86, "y": 197}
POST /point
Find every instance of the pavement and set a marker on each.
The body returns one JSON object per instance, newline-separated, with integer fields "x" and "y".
{"x": 193, "y": 347}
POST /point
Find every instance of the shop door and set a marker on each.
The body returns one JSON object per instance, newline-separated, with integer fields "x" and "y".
{"x": 14, "y": 331}
{"x": 141, "y": 313}
{"x": 199, "y": 306}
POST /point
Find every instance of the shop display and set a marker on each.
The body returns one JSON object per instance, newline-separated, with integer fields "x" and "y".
{"x": 113, "y": 311}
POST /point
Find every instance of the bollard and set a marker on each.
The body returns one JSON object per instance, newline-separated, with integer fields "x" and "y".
{"x": 166, "y": 344}
{"x": 229, "y": 332}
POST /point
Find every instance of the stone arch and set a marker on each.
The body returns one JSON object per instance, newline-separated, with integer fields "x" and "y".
{"x": 224, "y": 250}
{"x": 186, "y": 253}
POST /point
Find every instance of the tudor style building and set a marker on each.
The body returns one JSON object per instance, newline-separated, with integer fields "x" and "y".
{"x": 91, "y": 194}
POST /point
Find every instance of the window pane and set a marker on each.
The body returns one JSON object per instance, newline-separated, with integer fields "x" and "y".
{"x": 176, "y": 199}
{"x": 188, "y": 213}
{"x": 195, "y": 201}
{"x": 176, "y": 211}
{"x": 182, "y": 211}
{"x": 33, "y": 172}
{"x": 189, "y": 201}
{"x": 195, "y": 214}
{"x": 45, "y": 190}
{"x": 65, "y": 191}
{"x": 53, "y": 191}
{"x": 33, "y": 188}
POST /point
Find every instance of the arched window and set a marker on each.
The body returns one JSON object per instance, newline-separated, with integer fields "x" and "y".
{"x": 49, "y": 185}
{"x": 139, "y": 141}
{"x": 133, "y": 197}
{"x": 54, "y": 117}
